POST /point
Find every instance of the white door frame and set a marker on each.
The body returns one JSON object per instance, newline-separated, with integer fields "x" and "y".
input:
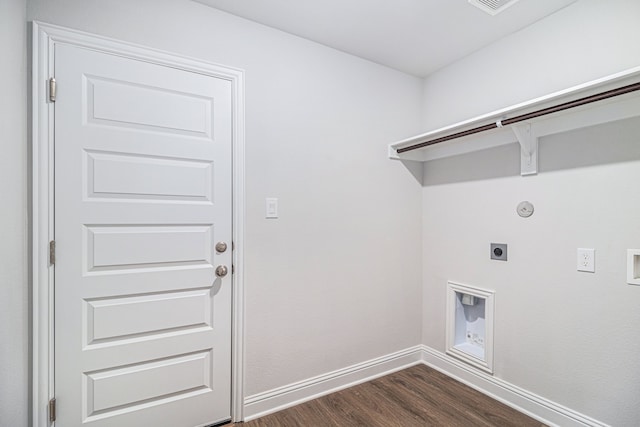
{"x": 45, "y": 37}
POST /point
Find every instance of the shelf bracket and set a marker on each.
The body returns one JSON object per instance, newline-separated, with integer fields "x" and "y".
{"x": 528, "y": 149}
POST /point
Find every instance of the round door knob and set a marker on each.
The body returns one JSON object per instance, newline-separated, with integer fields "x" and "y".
{"x": 221, "y": 247}
{"x": 221, "y": 270}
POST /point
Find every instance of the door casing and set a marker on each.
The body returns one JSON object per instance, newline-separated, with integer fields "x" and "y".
{"x": 45, "y": 37}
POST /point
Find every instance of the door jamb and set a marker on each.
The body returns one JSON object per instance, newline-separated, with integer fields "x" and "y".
{"x": 45, "y": 37}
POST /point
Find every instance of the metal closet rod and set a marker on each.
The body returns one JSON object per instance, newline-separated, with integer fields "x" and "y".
{"x": 539, "y": 113}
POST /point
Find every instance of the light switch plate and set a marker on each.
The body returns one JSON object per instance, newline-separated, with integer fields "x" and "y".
{"x": 587, "y": 260}
{"x": 271, "y": 208}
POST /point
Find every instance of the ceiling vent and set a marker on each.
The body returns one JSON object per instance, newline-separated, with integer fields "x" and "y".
{"x": 492, "y": 7}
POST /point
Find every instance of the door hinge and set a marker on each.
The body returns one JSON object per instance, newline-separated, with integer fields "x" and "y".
{"x": 52, "y": 89}
{"x": 52, "y": 410}
{"x": 233, "y": 269}
{"x": 52, "y": 252}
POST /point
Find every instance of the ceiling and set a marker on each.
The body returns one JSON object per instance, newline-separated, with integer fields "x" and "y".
{"x": 413, "y": 36}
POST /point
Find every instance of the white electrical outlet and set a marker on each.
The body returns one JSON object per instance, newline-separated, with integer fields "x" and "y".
{"x": 633, "y": 266}
{"x": 587, "y": 260}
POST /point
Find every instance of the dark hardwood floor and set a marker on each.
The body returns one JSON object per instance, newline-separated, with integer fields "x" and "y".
{"x": 416, "y": 396}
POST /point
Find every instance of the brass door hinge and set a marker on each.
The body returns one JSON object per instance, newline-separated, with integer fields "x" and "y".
{"x": 52, "y": 410}
{"x": 52, "y": 252}
{"x": 53, "y": 88}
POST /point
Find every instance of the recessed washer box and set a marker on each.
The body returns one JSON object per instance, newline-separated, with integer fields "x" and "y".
{"x": 470, "y": 325}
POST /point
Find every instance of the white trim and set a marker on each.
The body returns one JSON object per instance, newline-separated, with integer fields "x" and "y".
{"x": 45, "y": 36}
{"x": 239, "y": 215}
{"x": 42, "y": 228}
{"x": 537, "y": 407}
{"x": 274, "y": 400}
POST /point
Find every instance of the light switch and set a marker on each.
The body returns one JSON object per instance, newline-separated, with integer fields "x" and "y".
{"x": 587, "y": 260}
{"x": 272, "y": 207}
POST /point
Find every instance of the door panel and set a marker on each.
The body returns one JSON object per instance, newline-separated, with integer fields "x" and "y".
{"x": 142, "y": 194}
{"x": 112, "y": 319}
{"x": 143, "y": 178}
{"x": 118, "y": 248}
{"x": 149, "y": 108}
{"x": 127, "y": 388}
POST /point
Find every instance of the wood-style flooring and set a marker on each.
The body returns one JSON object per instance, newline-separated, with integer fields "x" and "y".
{"x": 416, "y": 396}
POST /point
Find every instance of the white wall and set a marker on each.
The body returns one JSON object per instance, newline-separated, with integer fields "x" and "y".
{"x": 582, "y": 42}
{"x": 14, "y": 360}
{"x": 565, "y": 335}
{"x": 337, "y": 279}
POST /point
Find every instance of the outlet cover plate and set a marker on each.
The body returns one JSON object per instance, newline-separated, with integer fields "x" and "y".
{"x": 587, "y": 260}
{"x": 633, "y": 266}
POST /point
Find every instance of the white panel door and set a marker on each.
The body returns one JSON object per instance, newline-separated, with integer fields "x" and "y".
{"x": 142, "y": 196}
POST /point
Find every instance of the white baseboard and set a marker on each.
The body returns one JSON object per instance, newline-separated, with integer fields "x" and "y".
{"x": 537, "y": 407}
{"x": 280, "y": 398}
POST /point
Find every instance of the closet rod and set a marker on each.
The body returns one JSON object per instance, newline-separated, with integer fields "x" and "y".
{"x": 539, "y": 113}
